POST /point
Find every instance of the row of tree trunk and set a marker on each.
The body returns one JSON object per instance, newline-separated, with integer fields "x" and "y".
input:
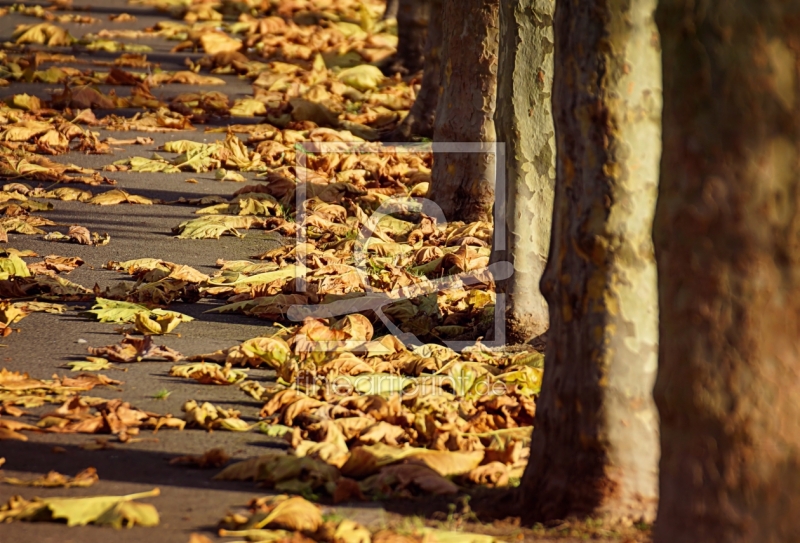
{"x": 716, "y": 329}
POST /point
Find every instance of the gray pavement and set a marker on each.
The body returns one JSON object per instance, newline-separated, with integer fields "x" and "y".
{"x": 190, "y": 501}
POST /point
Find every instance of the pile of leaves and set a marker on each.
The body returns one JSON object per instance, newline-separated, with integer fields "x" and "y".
{"x": 292, "y": 518}
{"x": 398, "y": 421}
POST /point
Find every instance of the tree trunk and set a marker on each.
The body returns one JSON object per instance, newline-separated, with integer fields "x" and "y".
{"x": 412, "y": 34}
{"x": 419, "y": 121}
{"x": 727, "y": 230}
{"x": 524, "y": 123}
{"x": 595, "y": 445}
{"x": 463, "y": 183}
{"x": 392, "y": 7}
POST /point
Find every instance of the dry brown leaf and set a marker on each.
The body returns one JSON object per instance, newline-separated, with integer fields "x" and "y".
{"x": 53, "y": 479}
{"x": 213, "y": 458}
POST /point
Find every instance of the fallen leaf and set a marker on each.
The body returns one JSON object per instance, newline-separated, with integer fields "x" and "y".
{"x": 125, "y": 312}
{"x": 116, "y": 511}
{"x": 364, "y": 77}
{"x": 118, "y": 196}
{"x": 213, "y": 458}
{"x": 87, "y": 477}
{"x": 91, "y": 364}
{"x": 293, "y": 513}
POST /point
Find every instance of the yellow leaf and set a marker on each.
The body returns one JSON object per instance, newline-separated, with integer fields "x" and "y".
{"x": 350, "y": 531}
{"x": 364, "y": 77}
{"x": 44, "y": 34}
{"x": 293, "y": 514}
{"x": 115, "y": 511}
{"x": 248, "y": 107}
{"x": 218, "y": 42}
{"x": 158, "y": 326}
{"x": 26, "y": 102}
{"x": 118, "y": 196}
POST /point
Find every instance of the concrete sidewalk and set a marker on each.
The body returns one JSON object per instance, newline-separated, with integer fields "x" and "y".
{"x": 189, "y": 500}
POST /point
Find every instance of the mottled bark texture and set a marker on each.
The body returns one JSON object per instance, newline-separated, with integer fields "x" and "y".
{"x": 524, "y": 122}
{"x": 727, "y": 237}
{"x": 595, "y": 446}
{"x": 462, "y": 184}
{"x": 391, "y": 9}
{"x": 412, "y": 34}
{"x": 419, "y": 121}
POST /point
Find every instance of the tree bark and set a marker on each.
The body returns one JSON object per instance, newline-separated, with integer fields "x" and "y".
{"x": 595, "y": 446}
{"x": 412, "y": 34}
{"x": 419, "y": 121}
{"x": 726, "y": 233}
{"x": 524, "y": 123}
{"x": 392, "y": 7}
{"x": 463, "y": 183}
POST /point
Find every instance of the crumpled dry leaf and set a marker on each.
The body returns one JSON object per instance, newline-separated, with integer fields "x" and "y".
{"x": 183, "y": 78}
{"x": 133, "y": 349}
{"x": 85, "y": 478}
{"x": 79, "y": 234}
{"x": 214, "y": 43}
{"x": 212, "y": 458}
{"x": 44, "y": 34}
{"x": 118, "y": 196}
{"x": 289, "y": 513}
{"x": 213, "y": 227}
{"x": 364, "y": 77}
{"x": 156, "y": 325}
{"x": 212, "y": 417}
{"x": 208, "y": 373}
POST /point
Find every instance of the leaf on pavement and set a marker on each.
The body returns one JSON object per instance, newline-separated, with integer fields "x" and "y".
{"x": 214, "y": 226}
{"x": 248, "y": 107}
{"x": 228, "y": 175}
{"x": 218, "y": 42}
{"x": 118, "y": 196}
{"x": 133, "y": 349}
{"x": 208, "y": 373}
{"x": 212, "y": 458}
{"x": 291, "y": 513}
{"x": 79, "y": 234}
{"x": 43, "y": 34}
{"x": 116, "y": 511}
{"x": 125, "y": 312}
{"x": 182, "y": 78}
{"x": 68, "y": 194}
{"x": 212, "y": 417}
{"x": 53, "y": 479}
{"x": 155, "y": 324}
{"x": 91, "y": 363}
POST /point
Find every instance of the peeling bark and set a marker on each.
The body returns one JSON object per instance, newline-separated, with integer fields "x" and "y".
{"x": 419, "y": 121}
{"x": 524, "y": 123}
{"x": 727, "y": 231}
{"x": 595, "y": 447}
{"x": 412, "y": 35}
{"x": 463, "y": 183}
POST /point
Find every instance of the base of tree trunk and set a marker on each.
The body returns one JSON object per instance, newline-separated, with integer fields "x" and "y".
{"x": 524, "y": 329}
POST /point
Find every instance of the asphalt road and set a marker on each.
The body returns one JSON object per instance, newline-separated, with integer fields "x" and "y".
{"x": 190, "y": 501}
